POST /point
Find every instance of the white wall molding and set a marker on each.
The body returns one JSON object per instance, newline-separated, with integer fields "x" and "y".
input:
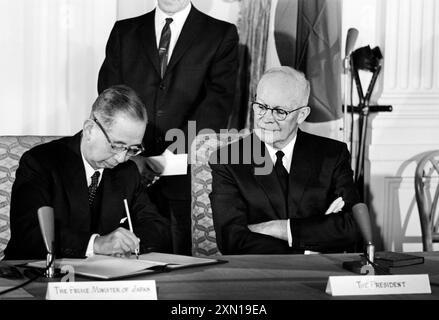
{"x": 407, "y": 32}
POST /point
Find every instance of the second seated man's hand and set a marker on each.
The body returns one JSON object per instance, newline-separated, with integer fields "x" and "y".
{"x": 148, "y": 171}
{"x": 120, "y": 242}
{"x": 275, "y": 228}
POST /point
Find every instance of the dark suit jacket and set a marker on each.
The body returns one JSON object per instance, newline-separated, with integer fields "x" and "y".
{"x": 198, "y": 85}
{"x": 53, "y": 174}
{"x": 320, "y": 173}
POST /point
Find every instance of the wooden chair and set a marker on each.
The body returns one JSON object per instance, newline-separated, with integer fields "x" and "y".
{"x": 427, "y": 195}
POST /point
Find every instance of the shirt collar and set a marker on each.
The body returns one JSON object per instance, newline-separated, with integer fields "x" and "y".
{"x": 89, "y": 171}
{"x": 287, "y": 150}
{"x": 178, "y": 18}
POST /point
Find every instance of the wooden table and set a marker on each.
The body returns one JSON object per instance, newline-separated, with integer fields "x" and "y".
{"x": 263, "y": 277}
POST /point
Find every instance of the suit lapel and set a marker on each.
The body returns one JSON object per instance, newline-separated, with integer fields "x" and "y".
{"x": 269, "y": 182}
{"x": 300, "y": 172}
{"x": 149, "y": 41}
{"x": 72, "y": 172}
{"x": 189, "y": 33}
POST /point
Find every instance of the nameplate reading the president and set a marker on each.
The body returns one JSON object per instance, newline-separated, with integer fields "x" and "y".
{"x": 377, "y": 285}
{"x": 102, "y": 290}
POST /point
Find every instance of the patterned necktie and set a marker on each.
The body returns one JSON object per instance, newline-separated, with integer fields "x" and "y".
{"x": 93, "y": 187}
{"x": 165, "y": 38}
{"x": 281, "y": 172}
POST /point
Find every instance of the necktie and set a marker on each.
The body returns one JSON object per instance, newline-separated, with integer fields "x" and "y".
{"x": 93, "y": 187}
{"x": 281, "y": 172}
{"x": 165, "y": 38}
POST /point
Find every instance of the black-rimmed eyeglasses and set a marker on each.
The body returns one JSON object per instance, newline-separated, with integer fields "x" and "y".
{"x": 278, "y": 113}
{"x": 131, "y": 151}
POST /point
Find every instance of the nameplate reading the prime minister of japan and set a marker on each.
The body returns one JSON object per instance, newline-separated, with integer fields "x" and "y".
{"x": 102, "y": 290}
{"x": 376, "y": 285}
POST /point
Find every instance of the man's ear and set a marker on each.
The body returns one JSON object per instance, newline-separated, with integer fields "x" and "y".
{"x": 87, "y": 129}
{"x": 303, "y": 114}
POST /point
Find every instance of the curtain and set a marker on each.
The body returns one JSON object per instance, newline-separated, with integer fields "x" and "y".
{"x": 253, "y": 26}
{"x": 318, "y": 56}
{"x": 51, "y": 53}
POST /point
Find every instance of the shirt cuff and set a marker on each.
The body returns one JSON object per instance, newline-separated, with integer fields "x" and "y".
{"x": 290, "y": 237}
{"x": 90, "y": 252}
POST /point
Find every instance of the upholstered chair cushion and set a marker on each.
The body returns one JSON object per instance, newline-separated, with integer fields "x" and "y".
{"x": 203, "y": 233}
{"x": 11, "y": 149}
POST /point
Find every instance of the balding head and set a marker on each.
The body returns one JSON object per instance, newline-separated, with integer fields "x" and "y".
{"x": 288, "y": 82}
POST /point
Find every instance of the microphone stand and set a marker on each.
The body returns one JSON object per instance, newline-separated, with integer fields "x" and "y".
{"x": 364, "y": 109}
{"x": 351, "y": 38}
{"x": 365, "y": 266}
{"x": 346, "y": 70}
{"x": 46, "y": 221}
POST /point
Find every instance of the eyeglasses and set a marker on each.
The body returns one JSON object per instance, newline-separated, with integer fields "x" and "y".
{"x": 278, "y": 113}
{"x": 131, "y": 151}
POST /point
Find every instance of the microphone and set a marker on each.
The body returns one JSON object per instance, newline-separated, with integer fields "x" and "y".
{"x": 362, "y": 218}
{"x": 351, "y": 38}
{"x": 46, "y": 220}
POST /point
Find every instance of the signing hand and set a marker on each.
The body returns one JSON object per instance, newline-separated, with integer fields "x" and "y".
{"x": 119, "y": 242}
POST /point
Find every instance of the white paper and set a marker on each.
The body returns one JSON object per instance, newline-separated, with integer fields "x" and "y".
{"x": 170, "y": 164}
{"x": 104, "y": 267}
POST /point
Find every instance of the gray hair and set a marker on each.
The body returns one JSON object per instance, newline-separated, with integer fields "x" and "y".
{"x": 119, "y": 99}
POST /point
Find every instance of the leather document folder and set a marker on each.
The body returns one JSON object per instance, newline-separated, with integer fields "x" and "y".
{"x": 396, "y": 259}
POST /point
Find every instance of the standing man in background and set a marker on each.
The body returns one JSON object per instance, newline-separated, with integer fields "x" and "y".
{"x": 184, "y": 65}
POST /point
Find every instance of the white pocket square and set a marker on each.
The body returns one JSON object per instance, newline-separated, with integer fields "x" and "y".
{"x": 123, "y": 220}
{"x": 335, "y": 206}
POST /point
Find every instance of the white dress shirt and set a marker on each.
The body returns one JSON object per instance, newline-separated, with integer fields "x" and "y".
{"x": 179, "y": 18}
{"x": 89, "y": 171}
{"x": 286, "y": 161}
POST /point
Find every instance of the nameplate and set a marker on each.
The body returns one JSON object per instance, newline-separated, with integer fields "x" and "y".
{"x": 102, "y": 290}
{"x": 376, "y": 285}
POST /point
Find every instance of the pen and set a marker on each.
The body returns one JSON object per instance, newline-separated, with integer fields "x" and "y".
{"x": 130, "y": 224}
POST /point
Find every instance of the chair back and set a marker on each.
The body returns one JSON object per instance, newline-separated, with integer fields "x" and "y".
{"x": 11, "y": 150}
{"x": 203, "y": 233}
{"x": 427, "y": 195}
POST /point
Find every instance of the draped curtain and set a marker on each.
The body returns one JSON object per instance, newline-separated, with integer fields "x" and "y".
{"x": 253, "y": 26}
{"x": 318, "y": 56}
{"x": 50, "y": 57}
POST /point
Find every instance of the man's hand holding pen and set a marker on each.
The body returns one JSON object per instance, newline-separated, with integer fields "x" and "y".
{"x": 119, "y": 242}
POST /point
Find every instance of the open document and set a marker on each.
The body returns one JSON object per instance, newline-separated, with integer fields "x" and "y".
{"x": 112, "y": 268}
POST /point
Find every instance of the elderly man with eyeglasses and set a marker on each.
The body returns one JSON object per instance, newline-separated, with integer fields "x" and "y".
{"x": 86, "y": 179}
{"x": 304, "y": 200}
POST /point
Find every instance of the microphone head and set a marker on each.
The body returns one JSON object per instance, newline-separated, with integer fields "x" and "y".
{"x": 362, "y": 218}
{"x": 47, "y": 225}
{"x": 350, "y": 40}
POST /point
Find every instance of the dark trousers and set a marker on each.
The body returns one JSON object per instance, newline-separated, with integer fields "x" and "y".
{"x": 178, "y": 211}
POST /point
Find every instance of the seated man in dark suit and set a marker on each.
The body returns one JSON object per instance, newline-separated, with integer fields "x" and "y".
{"x": 281, "y": 190}
{"x": 86, "y": 178}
